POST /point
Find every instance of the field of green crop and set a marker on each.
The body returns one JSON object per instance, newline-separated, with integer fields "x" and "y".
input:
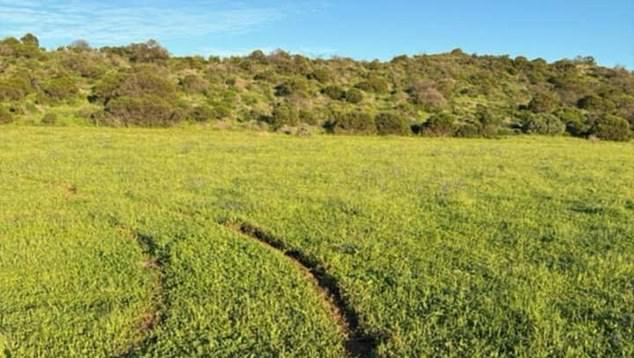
{"x": 127, "y": 242}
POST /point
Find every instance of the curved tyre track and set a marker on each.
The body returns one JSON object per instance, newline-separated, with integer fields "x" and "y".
{"x": 358, "y": 344}
{"x": 155, "y": 259}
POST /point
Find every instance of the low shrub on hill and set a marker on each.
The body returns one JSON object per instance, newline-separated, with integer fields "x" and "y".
{"x": 5, "y": 116}
{"x": 144, "y": 110}
{"x": 392, "y": 123}
{"x": 610, "y": 127}
{"x": 351, "y": 122}
{"x": 541, "y": 123}
{"x": 440, "y": 125}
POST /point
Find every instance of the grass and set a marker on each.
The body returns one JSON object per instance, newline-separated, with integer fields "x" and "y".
{"x": 112, "y": 244}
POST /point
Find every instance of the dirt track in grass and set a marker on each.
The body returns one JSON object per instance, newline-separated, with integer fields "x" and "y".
{"x": 357, "y": 343}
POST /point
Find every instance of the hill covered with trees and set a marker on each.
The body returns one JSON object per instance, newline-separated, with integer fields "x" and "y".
{"x": 452, "y": 94}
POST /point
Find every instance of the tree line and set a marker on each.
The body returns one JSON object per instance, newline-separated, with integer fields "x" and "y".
{"x": 451, "y": 94}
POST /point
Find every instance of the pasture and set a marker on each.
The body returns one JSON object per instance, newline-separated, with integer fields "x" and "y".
{"x": 189, "y": 242}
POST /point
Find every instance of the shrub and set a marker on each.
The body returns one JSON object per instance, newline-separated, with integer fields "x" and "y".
{"x": 60, "y": 88}
{"x": 309, "y": 117}
{"x": 541, "y": 123}
{"x": 146, "y": 79}
{"x": 321, "y": 75}
{"x": 107, "y": 88}
{"x": 425, "y": 93}
{"x": 30, "y": 40}
{"x": 295, "y": 87}
{"x": 202, "y": 113}
{"x": 83, "y": 62}
{"x": 596, "y": 104}
{"x": 141, "y": 96}
{"x": 334, "y": 92}
{"x": 391, "y": 123}
{"x": 148, "y": 52}
{"x": 351, "y": 122}
{"x": 488, "y": 122}
{"x": 223, "y": 111}
{"x": 440, "y": 124}
{"x": 374, "y": 84}
{"x": 145, "y": 110}
{"x": 15, "y": 87}
{"x": 194, "y": 84}
{"x": 575, "y": 121}
{"x": 5, "y": 116}
{"x": 30, "y": 47}
{"x": 610, "y": 127}
{"x": 49, "y": 119}
{"x": 266, "y": 76}
{"x": 542, "y": 103}
{"x": 354, "y": 96}
{"x": 468, "y": 130}
{"x": 283, "y": 90}
{"x": 284, "y": 115}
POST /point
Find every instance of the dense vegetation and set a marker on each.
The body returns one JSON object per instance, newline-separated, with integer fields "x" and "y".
{"x": 454, "y": 94}
{"x": 112, "y": 244}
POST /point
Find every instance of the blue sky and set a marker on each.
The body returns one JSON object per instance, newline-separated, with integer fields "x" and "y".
{"x": 551, "y": 29}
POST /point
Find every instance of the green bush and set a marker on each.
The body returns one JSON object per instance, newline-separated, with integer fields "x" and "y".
{"x": 283, "y": 90}
{"x": 426, "y": 94}
{"x": 610, "y": 127}
{"x": 542, "y": 103}
{"x": 147, "y": 79}
{"x": 284, "y": 115}
{"x": 354, "y": 96}
{"x": 468, "y": 130}
{"x": 5, "y": 116}
{"x": 265, "y": 76}
{"x": 30, "y": 47}
{"x": 145, "y": 110}
{"x": 541, "y": 123}
{"x": 487, "y": 122}
{"x": 84, "y": 63}
{"x": 194, "y": 84}
{"x": 441, "y": 124}
{"x": 295, "y": 87}
{"x": 107, "y": 87}
{"x": 596, "y": 104}
{"x": 374, "y": 84}
{"x": 351, "y": 122}
{"x": 392, "y": 123}
{"x": 142, "y": 96}
{"x": 49, "y": 119}
{"x": 334, "y": 92}
{"x": 310, "y": 117}
{"x": 202, "y": 113}
{"x": 15, "y": 87}
{"x": 60, "y": 88}
{"x": 148, "y": 52}
{"x": 321, "y": 75}
{"x": 576, "y": 122}
{"x": 223, "y": 111}
{"x": 30, "y": 40}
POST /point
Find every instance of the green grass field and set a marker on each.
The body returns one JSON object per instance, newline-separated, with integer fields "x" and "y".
{"x": 113, "y": 243}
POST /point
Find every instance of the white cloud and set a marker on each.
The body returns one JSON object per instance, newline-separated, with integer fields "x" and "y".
{"x": 59, "y": 21}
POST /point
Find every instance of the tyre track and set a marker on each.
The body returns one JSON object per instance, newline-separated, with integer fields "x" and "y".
{"x": 155, "y": 259}
{"x": 358, "y": 343}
